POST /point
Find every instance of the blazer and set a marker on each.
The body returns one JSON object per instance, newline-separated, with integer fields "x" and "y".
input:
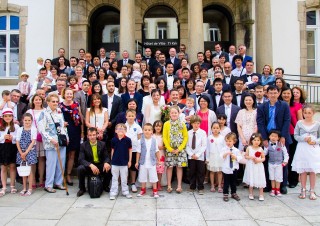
{"x": 120, "y": 63}
{"x": 226, "y": 55}
{"x": 151, "y": 62}
{"x": 234, "y": 112}
{"x": 234, "y": 98}
{"x": 86, "y": 155}
{"x": 164, "y": 76}
{"x": 117, "y": 107}
{"x": 215, "y": 105}
{"x": 194, "y": 96}
{"x": 231, "y": 83}
{"x": 225, "y": 87}
{"x": 21, "y": 109}
{"x": 176, "y": 64}
{"x": 282, "y": 120}
{"x": 181, "y": 106}
{"x": 81, "y": 99}
{"x": 253, "y": 85}
{"x": 137, "y": 96}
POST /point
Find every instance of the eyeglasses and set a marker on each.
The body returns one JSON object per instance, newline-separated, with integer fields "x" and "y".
{"x": 54, "y": 101}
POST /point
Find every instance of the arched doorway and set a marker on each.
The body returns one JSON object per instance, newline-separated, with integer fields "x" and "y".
{"x": 104, "y": 30}
{"x": 160, "y": 29}
{"x": 217, "y": 27}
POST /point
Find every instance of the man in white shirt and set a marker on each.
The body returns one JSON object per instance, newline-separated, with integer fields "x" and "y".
{"x": 169, "y": 76}
{"x": 232, "y": 52}
{"x": 239, "y": 70}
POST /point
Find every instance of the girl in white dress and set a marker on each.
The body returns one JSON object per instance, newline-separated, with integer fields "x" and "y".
{"x": 161, "y": 169}
{"x": 222, "y": 120}
{"x": 254, "y": 174}
{"x": 307, "y": 156}
{"x": 213, "y": 159}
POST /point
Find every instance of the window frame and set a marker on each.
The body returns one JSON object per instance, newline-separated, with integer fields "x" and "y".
{"x": 8, "y": 32}
{"x": 316, "y": 29}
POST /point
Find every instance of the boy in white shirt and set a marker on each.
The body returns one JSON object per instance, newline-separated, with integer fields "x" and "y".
{"x": 196, "y": 146}
{"x": 148, "y": 156}
{"x": 231, "y": 157}
{"x": 134, "y": 132}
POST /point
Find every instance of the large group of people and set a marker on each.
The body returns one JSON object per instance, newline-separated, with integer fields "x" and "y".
{"x": 149, "y": 120}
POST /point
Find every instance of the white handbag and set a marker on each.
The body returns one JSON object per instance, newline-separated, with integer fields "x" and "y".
{"x": 24, "y": 169}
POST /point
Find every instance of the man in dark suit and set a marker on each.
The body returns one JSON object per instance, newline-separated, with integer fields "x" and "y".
{"x": 93, "y": 160}
{"x": 242, "y": 49}
{"x": 174, "y": 97}
{"x": 200, "y": 57}
{"x": 228, "y": 78}
{"x": 247, "y": 77}
{"x": 219, "y": 52}
{"x": 275, "y": 115}
{"x": 174, "y": 60}
{"x": 199, "y": 87}
{"x": 169, "y": 76}
{"x": 55, "y": 61}
{"x": 114, "y": 105}
{"x": 238, "y": 94}
{"x": 259, "y": 93}
{"x": 131, "y": 93}
{"x": 161, "y": 62}
{"x": 125, "y": 60}
{"x": 230, "y": 110}
{"x": 149, "y": 59}
{"x": 216, "y": 91}
{"x": 20, "y": 108}
{"x": 82, "y": 97}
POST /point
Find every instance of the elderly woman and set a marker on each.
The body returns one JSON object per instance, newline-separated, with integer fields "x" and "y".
{"x": 296, "y": 115}
{"x": 175, "y": 137}
{"x": 51, "y": 123}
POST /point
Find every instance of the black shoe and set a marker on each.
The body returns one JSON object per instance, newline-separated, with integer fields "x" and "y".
{"x": 292, "y": 186}
{"x": 0, "y": 185}
{"x": 266, "y": 190}
{"x": 106, "y": 189}
{"x": 69, "y": 183}
{"x": 284, "y": 190}
{"x": 80, "y": 193}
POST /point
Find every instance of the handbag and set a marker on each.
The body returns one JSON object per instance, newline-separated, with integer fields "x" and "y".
{"x": 24, "y": 169}
{"x": 39, "y": 136}
{"x": 62, "y": 139}
{"x": 94, "y": 185}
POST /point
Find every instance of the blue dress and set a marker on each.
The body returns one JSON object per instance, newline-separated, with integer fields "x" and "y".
{"x": 25, "y": 141}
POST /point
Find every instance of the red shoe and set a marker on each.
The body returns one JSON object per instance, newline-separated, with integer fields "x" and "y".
{"x": 142, "y": 192}
{"x": 159, "y": 186}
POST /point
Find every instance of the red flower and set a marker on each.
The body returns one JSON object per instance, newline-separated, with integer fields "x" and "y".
{"x": 278, "y": 149}
{"x": 211, "y": 140}
{"x": 139, "y": 120}
{"x": 257, "y": 154}
{"x": 74, "y": 105}
{"x": 162, "y": 159}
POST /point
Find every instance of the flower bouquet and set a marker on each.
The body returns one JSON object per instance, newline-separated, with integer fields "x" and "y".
{"x": 165, "y": 113}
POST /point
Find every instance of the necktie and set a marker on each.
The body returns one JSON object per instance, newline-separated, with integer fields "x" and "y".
{"x": 125, "y": 61}
{"x": 86, "y": 95}
{"x": 231, "y": 163}
{"x": 193, "y": 145}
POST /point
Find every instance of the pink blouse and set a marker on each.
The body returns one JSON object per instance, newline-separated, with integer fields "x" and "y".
{"x": 294, "y": 116}
{"x": 204, "y": 120}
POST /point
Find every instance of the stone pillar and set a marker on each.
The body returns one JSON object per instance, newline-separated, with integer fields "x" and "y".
{"x": 3, "y": 4}
{"x": 263, "y": 34}
{"x": 195, "y": 29}
{"x": 127, "y": 26}
{"x": 61, "y": 27}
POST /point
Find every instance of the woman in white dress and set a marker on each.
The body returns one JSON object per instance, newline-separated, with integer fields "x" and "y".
{"x": 97, "y": 116}
{"x": 152, "y": 111}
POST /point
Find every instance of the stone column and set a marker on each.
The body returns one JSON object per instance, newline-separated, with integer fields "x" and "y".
{"x": 195, "y": 29}
{"x": 3, "y": 4}
{"x": 127, "y": 26}
{"x": 263, "y": 34}
{"x": 61, "y": 27}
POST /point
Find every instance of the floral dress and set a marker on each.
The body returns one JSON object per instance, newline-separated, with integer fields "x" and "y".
{"x": 25, "y": 141}
{"x": 248, "y": 121}
{"x": 175, "y": 136}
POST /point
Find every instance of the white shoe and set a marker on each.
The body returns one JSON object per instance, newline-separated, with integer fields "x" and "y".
{"x": 112, "y": 197}
{"x": 261, "y": 198}
{"x": 156, "y": 195}
{"x": 279, "y": 194}
{"x": 272, "y": 193}
{"x": 251, "y": 197}
{"x": 128, "y": 196}
{"x": 134, "y": 188}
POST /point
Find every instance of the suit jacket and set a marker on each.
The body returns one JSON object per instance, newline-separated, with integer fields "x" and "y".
{"x": 231, "y": 83}
{"x": 176, "y": 64}
{"x": 165, "y": 77}
{"x": 282, "y": 120}
{"x": 234, "y": 98}
{"x": 86, "y": 155}
{"x": 55, "y": 61}
{"x": 181, "y": 106}
{"x": 203, "y": 65}
{"x": 225, "y": 87}
{"x": 117, "y": 107}
{"x": 215, "y": 105}
{"x": 120, "y": 63}
{"x": 226, "y": 55}
{"x": 21, "y": 109}
{"x": 151, "y": 62}
{"x": 137, "y": 96}
{"x": 81, "y": 99}
{"x": 194, "y": 96}
{"x": 234, "y": 112}
{"x": 253, "y": 85}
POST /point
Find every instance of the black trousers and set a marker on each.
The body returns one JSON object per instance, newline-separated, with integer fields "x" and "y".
{"x": 86, "y": 171}
{"x": 293, "y": 177}
{"x": 196, "y": 174}
{"x": 230, "y": 180}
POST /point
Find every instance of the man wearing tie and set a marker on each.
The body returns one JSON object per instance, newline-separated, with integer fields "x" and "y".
{"x": 174, "y": 60}
{"x": 258, "y": 91}
{"x": 169, "y": 76}
{"x": 238, "y": 94}
{"x": 96, "y": 63}
{"x": 102, "y": 54}
{"x": 148, "y": 58}
{"x": 247, "y": 77}
{"x": 82, "y": 97}
{"x": 125, "y": 60}
{"x": 174, "y": 97}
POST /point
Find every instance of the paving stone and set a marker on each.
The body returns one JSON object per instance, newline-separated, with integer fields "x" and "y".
{"x": 180, "y": 217}
{"x": 47, "y": 208}
{"x": 183, "y": 201}
{"x": 217, "y": 209}
{"x": 9, "y": 213}
{"x": 265, "y": 211}
{"x": 131, "y": 209}
{"x": 32, "y": 222}
{"x": 232, "y": 223}
{"x": 17, "y": 200}
{"x": 132, "y": 223}
{"x": 290, "y": 221}
{"x": 85, "y": 216}
{"x": 86, "y": 202}
{"x": 313, "y": 219}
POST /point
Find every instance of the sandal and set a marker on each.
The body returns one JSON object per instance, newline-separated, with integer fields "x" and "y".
{"x": 23, "y": 192}
{"x": 3, "y": 192}
{"x": 13, "y": 190}
{"x": 302, "y": 194}
{"x": 179, "y": 190}
{"x": 169, "y": 189}
{"x": 225, "y": 198}
{"x": 235, "y": 196}
{"x": 28, "y": 193}
{"x": 41, "y": 185}
{"x": 213, "y": 189}
{"x": 34, "y": 186}
{"x": 50, "y": 190}
{"x": 312, "y": 195}
{"x": 59, "y": 187}
{"x": 220, "y": 190}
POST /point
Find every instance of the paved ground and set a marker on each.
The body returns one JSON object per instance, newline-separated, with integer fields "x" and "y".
{"x": 170, "y": 209}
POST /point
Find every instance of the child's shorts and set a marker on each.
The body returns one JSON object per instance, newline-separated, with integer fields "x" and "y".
{"x": 275, "y": 172}
{"x": 145, "y": 173}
